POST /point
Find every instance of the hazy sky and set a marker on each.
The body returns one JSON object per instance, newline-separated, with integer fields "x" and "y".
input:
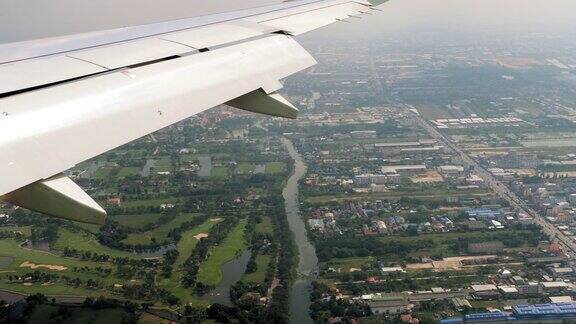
{"x": 27, "y": 19}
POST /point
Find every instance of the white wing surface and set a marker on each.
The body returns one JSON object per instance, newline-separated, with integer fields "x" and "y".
{"x": 65, "y": 100}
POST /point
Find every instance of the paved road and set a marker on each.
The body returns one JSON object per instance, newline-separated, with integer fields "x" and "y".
{"x": 499, "y": 188}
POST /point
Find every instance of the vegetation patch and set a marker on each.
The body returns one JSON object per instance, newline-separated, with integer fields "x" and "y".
{"x": 210, "y": 272}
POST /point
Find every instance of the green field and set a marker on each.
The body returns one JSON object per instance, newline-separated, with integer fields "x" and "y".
{"x": 210, "y": 272}
{"x": 85, "y": 242}
{"x": 46, "y": 260}
{"x": 245, "y": 168}
{"x": 162, "y": 165}
{"x": 160, "y": 233}
{"x": 262, "y": 262}
{"x": 185, "y": 247}
{"x": 11, "y": 248}
{"x": 275, "y": 167}
{"x": 219, "y": 172}
{"x": 265, "y": 226}
{"x": 103, "y": 173}
{"x": 128, "y": 171}
{"x": 136, "y": 221}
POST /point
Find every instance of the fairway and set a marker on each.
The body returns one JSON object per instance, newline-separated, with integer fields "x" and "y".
{"x": 128, "y": 171}
{"x": 262, "y": 262}
{"x": 160, "y": 233}
{"x": 275, "y": 167}
{"x": 219, "y": 172}
{"x": 245, "y": 168}
{"x": 210, "y": 272}
{"x": 86, "y": 242}
{"x": 136, "y": 221}
{"x": 11, "y": 248}
{"x": 185, "y": 247}
{"x": 265, "y": 226}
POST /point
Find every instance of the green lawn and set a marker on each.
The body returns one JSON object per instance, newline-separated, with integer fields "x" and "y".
{"x": 160, "y": 233}
{"x": 265, "y": 226}
{"x": 210, "y": 272}
{"x": 219, "y": 172}
{"x": 162, "y": 165}
{"x": 128, "y": 171}
{"x": 103, "y": 173}
{"x": 136, "y": 221}
{"x": 11, "y": 248}
{"x": 185, "y": 247}
{"x": 245, "y": 168}
{"x": 275, "y": 167}
{"x": 262, "y": 262}
{"x": 85, "y": 242}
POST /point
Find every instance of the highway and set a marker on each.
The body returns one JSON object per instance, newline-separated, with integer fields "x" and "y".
{"x": 568, "y": 245}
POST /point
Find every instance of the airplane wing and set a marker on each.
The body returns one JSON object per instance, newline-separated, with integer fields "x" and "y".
{"x": 67, "y": 99}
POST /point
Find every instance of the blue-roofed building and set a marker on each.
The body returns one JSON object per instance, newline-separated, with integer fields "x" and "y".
{"x": 452, "y": 320}
{"x": 539, "y": 313}
{"x": 545, "y": 311}
{"x": 493, "y": 317}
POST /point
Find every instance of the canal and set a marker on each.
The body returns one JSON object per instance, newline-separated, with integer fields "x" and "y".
{"x": 308, "y": 262}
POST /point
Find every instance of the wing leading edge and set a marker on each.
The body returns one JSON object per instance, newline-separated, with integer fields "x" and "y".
{"x": 57, "y": 110}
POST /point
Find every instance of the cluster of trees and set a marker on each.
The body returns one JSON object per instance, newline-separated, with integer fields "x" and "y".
{"x": 344, "y": 247}
{"x": 169, "y": 258}
{"x": 260, "y": 243}
{"x": 325, "y": 305}
{"x": 102, "y": 257}
{"x": 149, "y": 290}
{"x": 279, "y": 310}
{"x": 45, "y": 277}
{"x": 21, "y": 311}
{"x": 11, "y": 235}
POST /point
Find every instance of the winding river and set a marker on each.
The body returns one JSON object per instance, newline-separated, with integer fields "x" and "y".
{"x": 308, "y": 262}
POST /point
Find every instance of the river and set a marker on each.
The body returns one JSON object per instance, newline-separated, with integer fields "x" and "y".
{"x": 308, "y": 262}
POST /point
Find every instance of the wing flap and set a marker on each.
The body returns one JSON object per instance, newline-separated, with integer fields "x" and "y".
{"x": 260, "y": 102}
{"x": 58, "y": 197}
